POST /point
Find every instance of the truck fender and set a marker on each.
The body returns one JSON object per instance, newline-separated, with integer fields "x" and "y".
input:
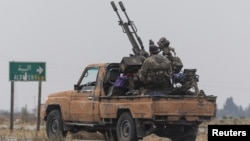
{"x": 51, "y": 107}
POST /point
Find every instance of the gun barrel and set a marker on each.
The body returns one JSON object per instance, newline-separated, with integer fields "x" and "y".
{"x": 122, "y": 6}
{"x": 124, "y": 10}
{"x": 125, "y": 26}
{"x": 116, "y": 11}
{"x": 114, "y": 6}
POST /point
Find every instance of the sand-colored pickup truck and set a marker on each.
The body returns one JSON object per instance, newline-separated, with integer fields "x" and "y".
{"x": 92, "y": 107}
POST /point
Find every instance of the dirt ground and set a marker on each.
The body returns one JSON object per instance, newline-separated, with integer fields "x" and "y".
{"x": 25, "y": 131}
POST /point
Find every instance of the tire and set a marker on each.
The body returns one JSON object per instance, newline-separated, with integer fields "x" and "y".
{"x": 126, "y": 129}
{"x": 54, "y": 126}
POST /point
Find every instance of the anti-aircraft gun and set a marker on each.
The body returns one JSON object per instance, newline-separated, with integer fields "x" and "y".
{"x": 133, "y": 62}
{"x": 188, "y": 79}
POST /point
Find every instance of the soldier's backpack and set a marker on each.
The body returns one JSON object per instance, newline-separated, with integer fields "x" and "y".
{"x": 157, "y": 79}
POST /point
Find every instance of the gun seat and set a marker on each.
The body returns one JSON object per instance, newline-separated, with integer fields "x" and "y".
{"x": 112, "y": 75}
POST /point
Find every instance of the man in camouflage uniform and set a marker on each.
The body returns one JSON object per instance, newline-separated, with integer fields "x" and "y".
{"x": 167, "y": 51}
{"x": 156, "y": 70}
{"x": 163, "y": 44}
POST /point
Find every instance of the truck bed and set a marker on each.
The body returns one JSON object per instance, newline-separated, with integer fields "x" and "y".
{"x": 163, "y": 107}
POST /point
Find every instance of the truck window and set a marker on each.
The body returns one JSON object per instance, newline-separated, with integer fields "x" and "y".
{"x": 89, "y": 79}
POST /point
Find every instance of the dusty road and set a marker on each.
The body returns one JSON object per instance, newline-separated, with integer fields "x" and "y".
{"x": 29, "y": 133}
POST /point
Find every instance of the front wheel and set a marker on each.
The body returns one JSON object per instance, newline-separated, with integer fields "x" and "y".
{"x": 126, "y": 130}
{"x": 54, "y": 126}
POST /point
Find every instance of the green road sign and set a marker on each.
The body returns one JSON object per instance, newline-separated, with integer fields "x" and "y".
{"x": 27, "y": 71}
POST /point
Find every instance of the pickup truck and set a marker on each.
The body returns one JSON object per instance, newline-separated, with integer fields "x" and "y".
{"x": 92, "y": 107}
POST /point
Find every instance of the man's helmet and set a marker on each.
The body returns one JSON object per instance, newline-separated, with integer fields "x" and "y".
{"x": 153, "y": 48}
{"x": 163, "y": 42}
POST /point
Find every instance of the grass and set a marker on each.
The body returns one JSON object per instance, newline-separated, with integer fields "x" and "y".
{"x": 22, "y": 134}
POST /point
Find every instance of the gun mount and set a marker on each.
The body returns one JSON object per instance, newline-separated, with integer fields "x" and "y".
{"x": 132, "y": 63}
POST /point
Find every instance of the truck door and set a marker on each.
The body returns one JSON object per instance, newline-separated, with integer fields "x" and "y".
{"x": 82, "y": 100}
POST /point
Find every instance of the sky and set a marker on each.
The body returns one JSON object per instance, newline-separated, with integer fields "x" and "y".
{"x": 211, "y": 36}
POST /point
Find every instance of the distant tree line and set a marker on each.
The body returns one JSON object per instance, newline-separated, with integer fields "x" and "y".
{"x": 231, "y": 110}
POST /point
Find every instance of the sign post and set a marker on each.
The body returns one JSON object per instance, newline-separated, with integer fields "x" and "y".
{"x": 11, "y": 105}
{"x": 39, "y": 105}
{"x": 27, "y": 71}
